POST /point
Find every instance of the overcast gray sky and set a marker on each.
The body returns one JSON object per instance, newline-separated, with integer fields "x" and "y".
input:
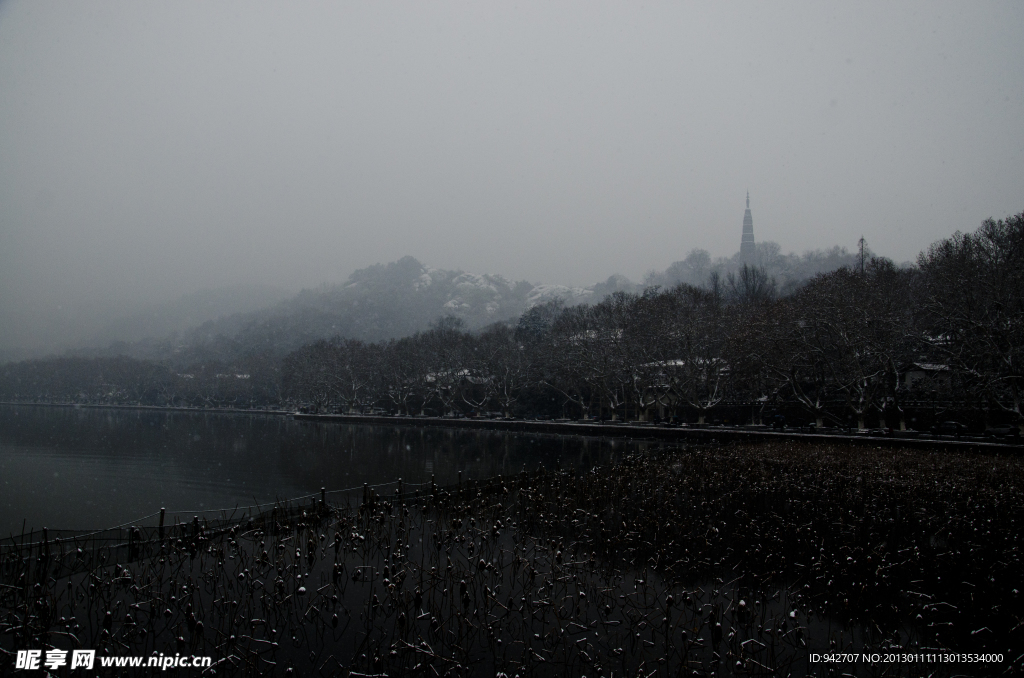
{"x": 149, "y": 149}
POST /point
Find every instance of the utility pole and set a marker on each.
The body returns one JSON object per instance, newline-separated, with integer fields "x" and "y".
{"x": 861, "y": 243}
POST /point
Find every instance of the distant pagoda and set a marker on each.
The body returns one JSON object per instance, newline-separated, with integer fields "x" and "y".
{"x": 747, "y": 242}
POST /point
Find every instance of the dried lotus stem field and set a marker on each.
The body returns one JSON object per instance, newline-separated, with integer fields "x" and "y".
{"x": 733, "y": 560}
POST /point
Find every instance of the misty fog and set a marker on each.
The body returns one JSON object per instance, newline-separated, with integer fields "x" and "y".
{"x": 240, "y": 152}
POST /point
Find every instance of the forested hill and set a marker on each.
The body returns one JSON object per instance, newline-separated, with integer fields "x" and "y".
{"x": 401, "y": 298}
{"x": 380, "y": 302}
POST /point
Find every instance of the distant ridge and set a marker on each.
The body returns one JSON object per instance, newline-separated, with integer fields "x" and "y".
{"x": 397, "y": 299}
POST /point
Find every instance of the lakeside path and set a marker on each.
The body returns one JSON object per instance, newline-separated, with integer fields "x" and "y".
{"x": 690, "y": 434}
{"x": 629, "y": 430}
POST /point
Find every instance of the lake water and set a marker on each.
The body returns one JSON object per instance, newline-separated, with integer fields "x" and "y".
{"x": 88, "y": 468}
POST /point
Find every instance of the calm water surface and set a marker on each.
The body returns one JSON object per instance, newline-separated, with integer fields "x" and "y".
{"x": 86, "y": 468}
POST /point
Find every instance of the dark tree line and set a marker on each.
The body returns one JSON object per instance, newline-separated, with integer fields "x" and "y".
{"x": 870, "y": 345}
{"x": 248, "y": 383}
{"x": 863, "y": 345}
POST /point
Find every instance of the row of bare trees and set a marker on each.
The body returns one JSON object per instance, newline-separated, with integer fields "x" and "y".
{"x": 445, "y": 369}
{"x": 839, "y": 349}
{"x": 845, "y": 337}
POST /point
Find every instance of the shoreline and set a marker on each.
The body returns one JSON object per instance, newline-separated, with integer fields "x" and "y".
{"x": 627, "y": 430}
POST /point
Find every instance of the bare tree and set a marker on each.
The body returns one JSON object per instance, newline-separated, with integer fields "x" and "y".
{"x": 751, "y": 286}
{"x": 402, "y": 372}
{"x": 974, "y": 294}
{"x": 509, "y": 365}
{"x": 307, "y": 375}
{"x": 352, "y": 372}
{"x": 568, "y": 357}
{"x": 694, "y": 331}
{"x": 772, "y": 345}
{"x": 613, "y": 359}
{"x": 444, "y": 352}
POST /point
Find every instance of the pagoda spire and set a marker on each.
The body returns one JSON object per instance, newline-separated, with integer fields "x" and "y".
{"x": 747, "y": 241}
